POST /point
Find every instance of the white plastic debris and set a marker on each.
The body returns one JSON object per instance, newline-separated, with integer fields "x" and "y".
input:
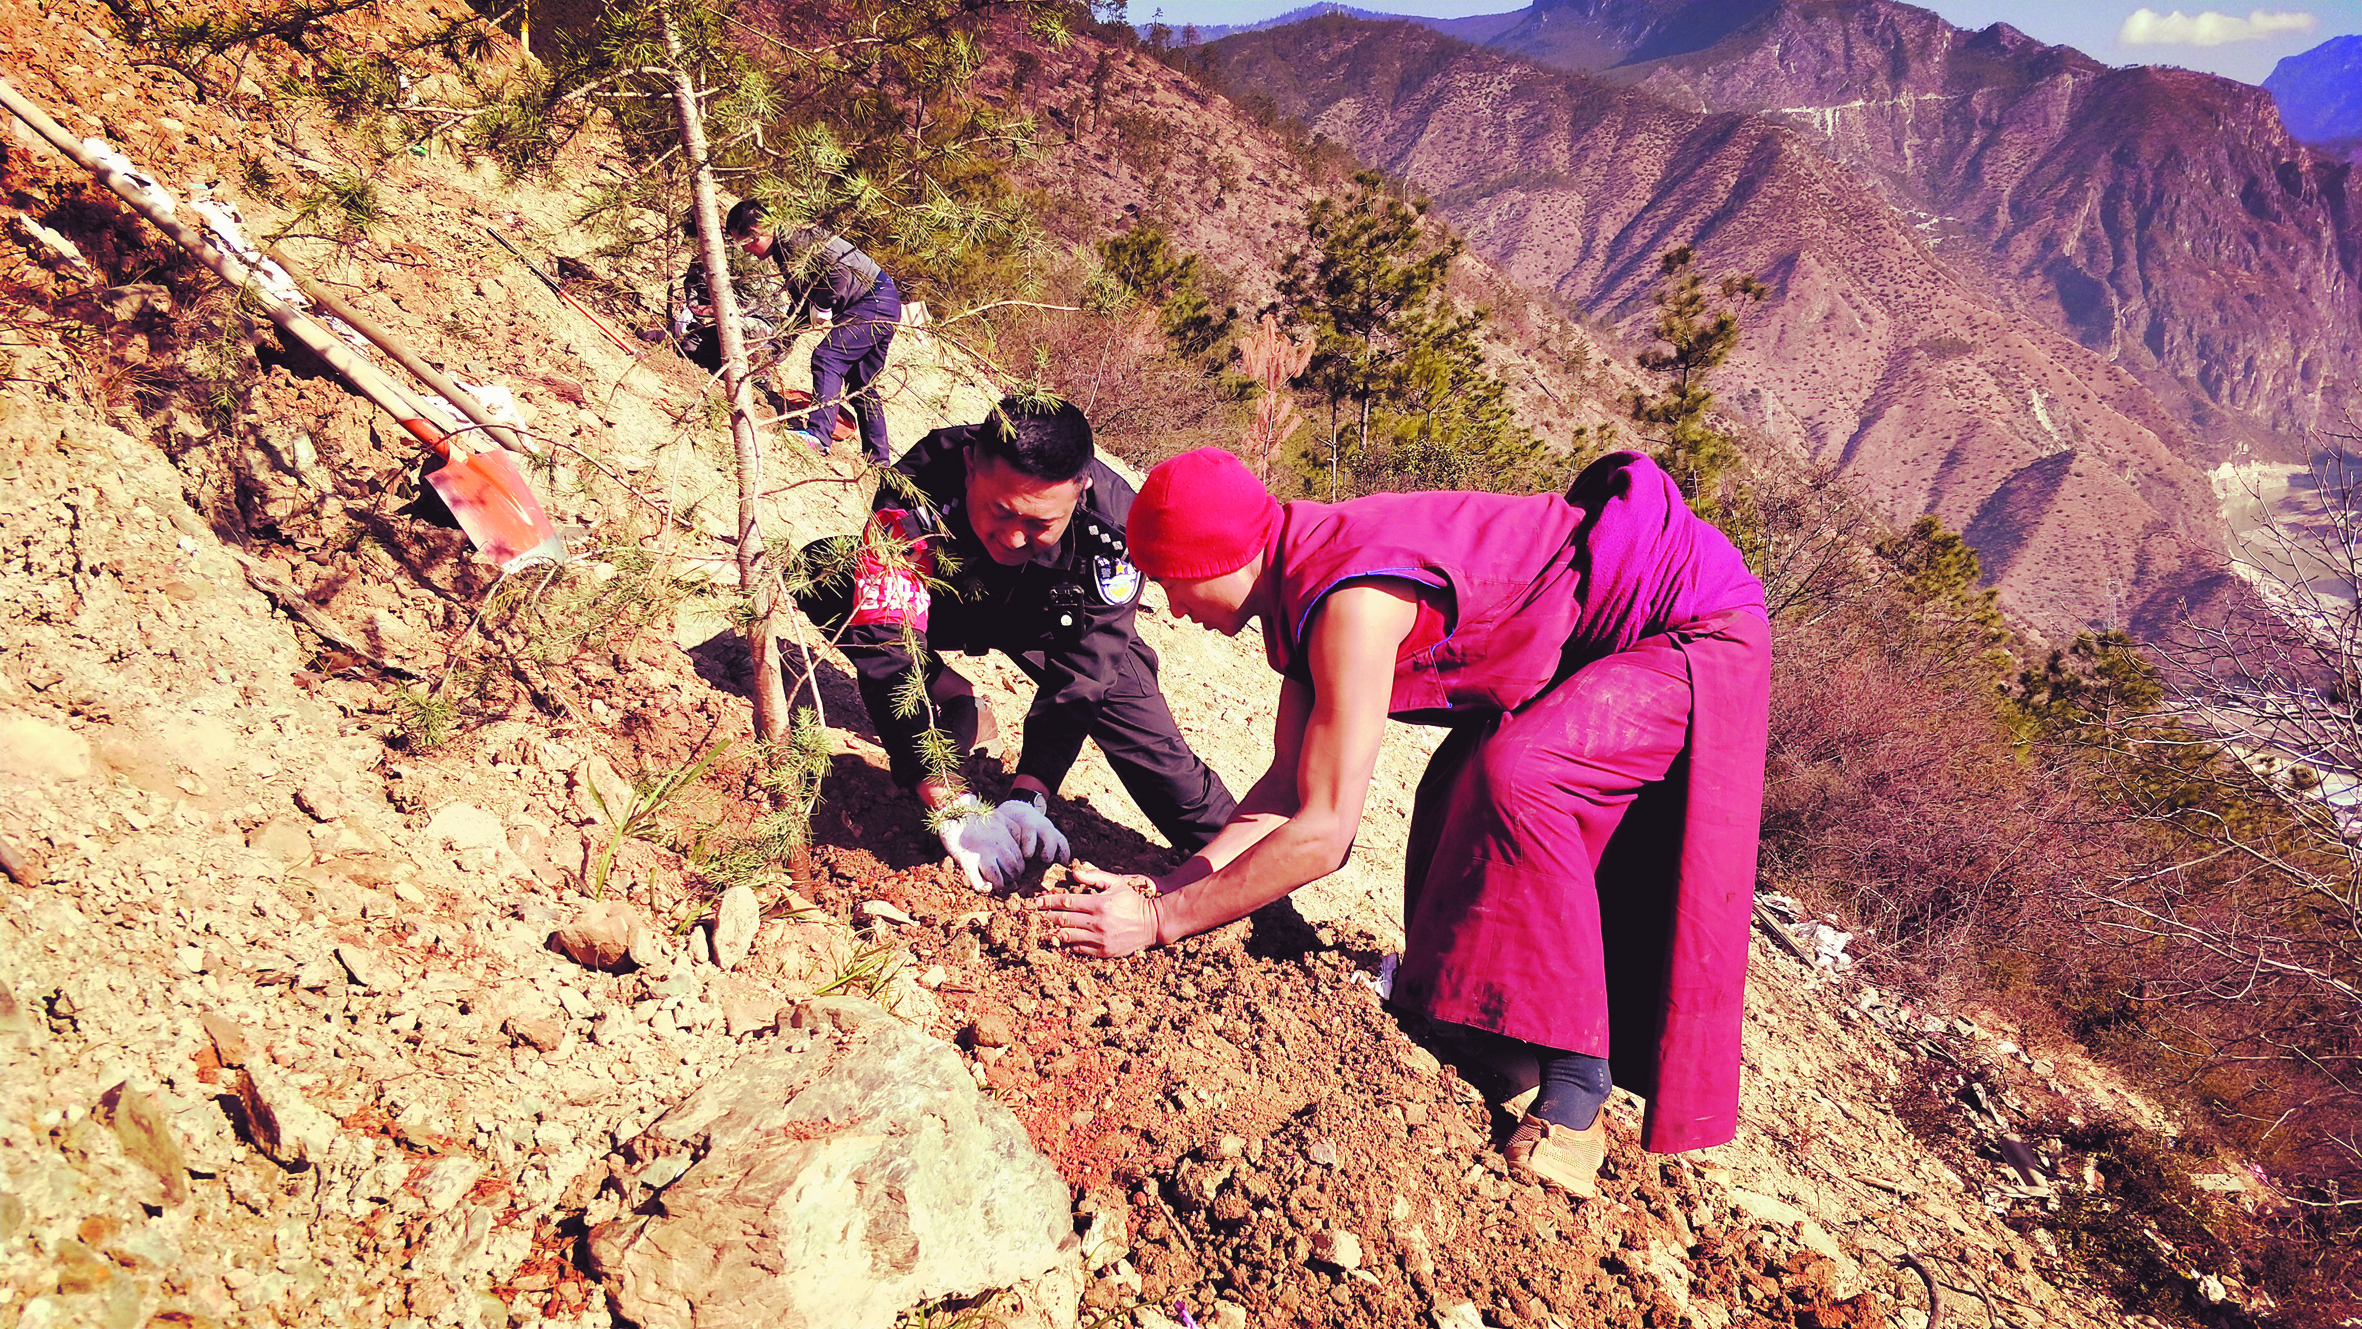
{"x": 53, "y": 242}
{"x": 228, "y": 229}
{"x": 1383, "y": 984}
{"x": 1827, "y": 944}
{"x": 119, "y": 174}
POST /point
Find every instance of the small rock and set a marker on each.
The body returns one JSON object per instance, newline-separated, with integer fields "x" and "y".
{"x": 1337, "y": 1247}
{"x": 13, "y": 1017}
{"x": 446, "y": 1181}
{"x": 736, "y": 917}
{"x": 885, "y": 910}
{"x": 1764, "y": 1209}
{"x": 283, "y": 838}
{"x": 992, "y": 1029}
{"x": 1230, "y": 1146}
{"x": 1120, "y": 1008}
{"x": 125, "y": 302}
{"x": 147, "y": 1138}
{"x": 700, "y": 950}
{"x": 746, "y": 1005}
{"x": 320, "y": 799}
{"x": 600, "y": 937}
{"x": 542, "y": 1032}
{"x": 229, "y": 1041}
{"x": 41, "y": 750}
{"x": 935, "y": 977}
{"x": 466, "y": 826}
{"x": 368, "y": 969}
{"x": 1323, "y": 1153}
{"x": 289, "y": 1130}
{"x": 648, "y": 948}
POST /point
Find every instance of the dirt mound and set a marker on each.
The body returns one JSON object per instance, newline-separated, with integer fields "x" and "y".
{"x": 1244, "y": 1122}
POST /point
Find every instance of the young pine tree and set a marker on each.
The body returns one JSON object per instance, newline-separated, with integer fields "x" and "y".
{"x": 1698, "y": 329}
{"x": 1398, "y": 364}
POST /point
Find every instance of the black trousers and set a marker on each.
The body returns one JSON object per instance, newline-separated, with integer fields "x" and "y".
{"x": 1181, "y": 795}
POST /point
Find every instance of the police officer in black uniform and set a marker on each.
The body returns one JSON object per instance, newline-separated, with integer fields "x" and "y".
{"x": 1027, "y": 528}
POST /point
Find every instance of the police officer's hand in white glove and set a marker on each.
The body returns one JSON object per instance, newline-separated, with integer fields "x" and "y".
{"x": 978, "y": 839}
{"x": 1028, "y": 819}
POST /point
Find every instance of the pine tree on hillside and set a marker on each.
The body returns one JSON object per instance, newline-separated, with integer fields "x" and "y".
{"x": 1145, "y": 264}
{"x": 1411, "y": 403}
{"x": 1698, "y": 332}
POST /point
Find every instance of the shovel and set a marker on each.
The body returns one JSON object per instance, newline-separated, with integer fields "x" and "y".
{"x": 494, "y": 505}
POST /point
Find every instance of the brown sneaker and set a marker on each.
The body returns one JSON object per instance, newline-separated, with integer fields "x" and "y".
{"x": 1541, "y": 1151}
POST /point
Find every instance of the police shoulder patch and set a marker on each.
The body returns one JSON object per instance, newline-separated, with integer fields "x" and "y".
{"x": 1118, "y": 582}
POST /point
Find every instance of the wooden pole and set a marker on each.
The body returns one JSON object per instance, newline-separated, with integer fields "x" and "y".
{"x": 359, "y": 372}
{"x": 762, "y": 639}
{"x": 459, "y": 397}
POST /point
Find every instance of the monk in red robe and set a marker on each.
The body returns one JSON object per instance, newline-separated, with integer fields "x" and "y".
{"x": 1581, "y": 865}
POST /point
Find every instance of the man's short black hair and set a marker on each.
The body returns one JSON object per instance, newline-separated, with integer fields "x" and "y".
{"x": 745, "y": 215}
{"x": 1052, "y": 443}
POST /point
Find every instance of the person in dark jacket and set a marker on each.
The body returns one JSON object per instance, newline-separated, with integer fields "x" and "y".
{"x": 1027, "y": 528}
{"x": 827, "y": 273}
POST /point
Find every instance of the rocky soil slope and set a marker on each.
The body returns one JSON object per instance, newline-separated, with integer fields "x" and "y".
{"x": 323, "y": 1006}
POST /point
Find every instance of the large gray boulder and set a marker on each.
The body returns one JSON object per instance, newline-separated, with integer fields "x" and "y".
{"x": 836, "y": 1176}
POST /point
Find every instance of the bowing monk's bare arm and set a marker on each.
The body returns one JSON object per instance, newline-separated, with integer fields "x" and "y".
{"x": 1287, "y": 833}
{"x": 1266, "y": 807}
{"x": 1351, "y": 649}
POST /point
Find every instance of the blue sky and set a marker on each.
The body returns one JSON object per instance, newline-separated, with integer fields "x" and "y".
{"x": 2240, "y": 41}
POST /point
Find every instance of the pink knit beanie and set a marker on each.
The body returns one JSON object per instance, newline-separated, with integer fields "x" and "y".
{"x": 1201, "y": 514}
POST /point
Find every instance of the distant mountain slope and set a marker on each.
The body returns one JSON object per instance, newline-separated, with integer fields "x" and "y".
{"x": 1210, "y": 32}
{"x": 1478, "y": 28}
{"x": 2320, "y": 92}
{"x": 2163, "y": 218}
{"x": 2088, "y": 503}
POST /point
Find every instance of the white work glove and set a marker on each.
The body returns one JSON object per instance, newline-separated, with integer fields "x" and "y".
{"x": 1028, "y": 819}
{"x": 979, "y": 841}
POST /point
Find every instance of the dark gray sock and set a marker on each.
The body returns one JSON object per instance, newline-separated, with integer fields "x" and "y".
{"x": 1573, "y": 1087}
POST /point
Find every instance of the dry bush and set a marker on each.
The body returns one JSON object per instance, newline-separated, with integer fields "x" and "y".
{"x": 1145, "y": 402}
{"x": 1986, "y": 849}
{"x": 1895, "y": 787}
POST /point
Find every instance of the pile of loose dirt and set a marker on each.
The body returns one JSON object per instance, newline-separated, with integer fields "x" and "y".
{"x": 1243, "y": 1121}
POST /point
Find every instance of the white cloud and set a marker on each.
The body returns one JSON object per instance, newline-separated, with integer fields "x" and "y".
{"x": 2147, "y": 27}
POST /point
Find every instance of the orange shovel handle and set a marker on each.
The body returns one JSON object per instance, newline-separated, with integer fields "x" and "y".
{"x": 426, "y": 432}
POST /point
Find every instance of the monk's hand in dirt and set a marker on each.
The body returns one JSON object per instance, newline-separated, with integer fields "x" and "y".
{"x": 1116, "y": 918}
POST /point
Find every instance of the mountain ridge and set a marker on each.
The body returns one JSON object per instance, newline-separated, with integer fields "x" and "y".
{"x": 1876, "y": 357}
{"x": 2164, "y": 218}
{"x": 2319, "y": 93}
